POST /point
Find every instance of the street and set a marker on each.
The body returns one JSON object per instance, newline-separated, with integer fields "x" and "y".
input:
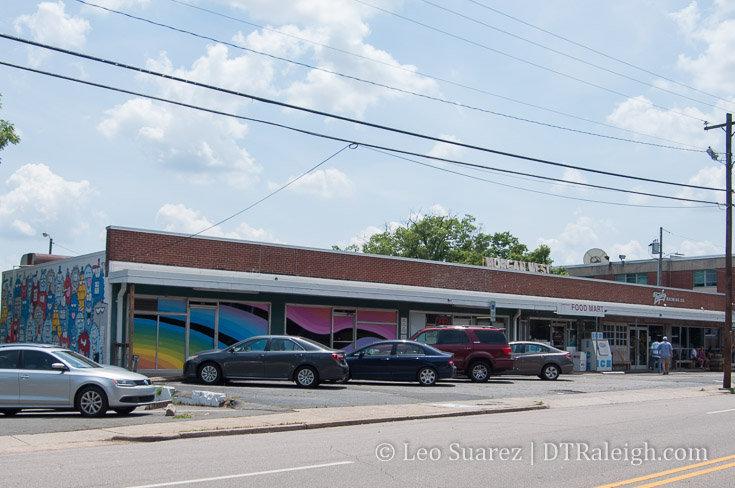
{"x": 566, "y": 446}
{"x": 257, "y": 398}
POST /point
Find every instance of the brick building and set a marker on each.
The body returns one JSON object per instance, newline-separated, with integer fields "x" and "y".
{"x": 164, "y": 296}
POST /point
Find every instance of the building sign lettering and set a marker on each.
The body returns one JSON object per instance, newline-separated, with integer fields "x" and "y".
{"x": 660, "y": 297}
{"x": 510, "y": 264}
{"x": 588, "y": 309}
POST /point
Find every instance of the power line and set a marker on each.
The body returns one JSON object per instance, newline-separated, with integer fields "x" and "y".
{"x": 691, "y": 148}
{"x": 644, "y": 70}
{"x": 279, "y": 189}
{"x": 525, "y": 61}
{"x": 561, "y": 53}
{"x": 326, "y": 114}
{"x": 350, "y": 142}
{"x": 387, "y": 153}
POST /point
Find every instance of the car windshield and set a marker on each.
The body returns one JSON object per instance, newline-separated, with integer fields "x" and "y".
{"x": 76, "y": 359}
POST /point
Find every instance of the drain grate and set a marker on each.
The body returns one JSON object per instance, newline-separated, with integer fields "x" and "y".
{"x": 567, "y": 392}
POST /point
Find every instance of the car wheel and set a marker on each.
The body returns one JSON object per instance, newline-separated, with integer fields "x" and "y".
{"x": 9, "y": 411}
{"x": 550, "y": 372}
{"x": 479, "y": 371}
{"x": 427, "y": 376}
{"x": 92, "y": 402}
{"x": 306, "y": 377}
{"x": 210, "y": 374}
{"x": 124, "y": 410}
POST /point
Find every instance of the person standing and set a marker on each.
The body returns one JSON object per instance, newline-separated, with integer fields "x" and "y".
{"x": 655, "y": 357}
{"x": 664, "y": 350}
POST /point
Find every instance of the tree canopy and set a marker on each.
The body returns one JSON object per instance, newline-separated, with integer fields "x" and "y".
{"x": 450, "y": 239}
{"x": 7, "y": 133}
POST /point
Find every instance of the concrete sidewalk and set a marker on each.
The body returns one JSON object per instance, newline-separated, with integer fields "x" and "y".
{"x": 314, "y": 418}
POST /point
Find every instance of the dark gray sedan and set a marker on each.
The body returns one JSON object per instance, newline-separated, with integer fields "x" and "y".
{"x": 544, "y": 361}
{"x": 270, "y": 357}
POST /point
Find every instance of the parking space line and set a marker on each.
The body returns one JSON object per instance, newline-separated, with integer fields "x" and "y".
{"x": 244, "y": 475}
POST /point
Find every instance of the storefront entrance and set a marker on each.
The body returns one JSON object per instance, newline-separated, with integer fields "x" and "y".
{"x": 638, "y": 344}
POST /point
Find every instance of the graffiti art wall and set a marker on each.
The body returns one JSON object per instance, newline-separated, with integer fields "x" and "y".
{"x": 62, "y": 302}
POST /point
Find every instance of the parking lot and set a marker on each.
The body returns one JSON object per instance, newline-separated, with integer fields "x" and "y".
{"x": 259, "y": 398}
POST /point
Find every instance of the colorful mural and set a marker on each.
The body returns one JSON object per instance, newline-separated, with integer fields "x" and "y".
{"x": 62, "y": 303}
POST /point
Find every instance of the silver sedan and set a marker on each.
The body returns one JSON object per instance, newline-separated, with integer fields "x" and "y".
{"x": 544, "y": 361}
{"x": 38, "y": 376}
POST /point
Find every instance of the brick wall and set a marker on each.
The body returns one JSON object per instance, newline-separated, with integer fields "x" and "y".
{"x": 209, "y": 253}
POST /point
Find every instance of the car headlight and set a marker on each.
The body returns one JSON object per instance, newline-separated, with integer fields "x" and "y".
{"x": 191, "y": 358}
{"x": 124, "y": 383}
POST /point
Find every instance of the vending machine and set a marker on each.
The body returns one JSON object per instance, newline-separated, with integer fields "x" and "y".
{"x": 598, "y": 353}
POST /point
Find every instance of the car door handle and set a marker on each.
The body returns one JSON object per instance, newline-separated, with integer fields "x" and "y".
{"x": 24, "y": 376}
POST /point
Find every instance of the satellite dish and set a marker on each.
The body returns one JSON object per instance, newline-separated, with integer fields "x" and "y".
{"x": 596, "y": 256}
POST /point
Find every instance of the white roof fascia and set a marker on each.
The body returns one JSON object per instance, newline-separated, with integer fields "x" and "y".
{"x": 242, "y": 282}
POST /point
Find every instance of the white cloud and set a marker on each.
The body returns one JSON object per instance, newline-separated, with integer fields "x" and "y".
{"x": 343, "y": 26}
{"x": 713, "y": 68}
{"x": 700, "y": 248}
{"x": 38, "y": 198}
{"x": 181, "y": 219}
{"x": 446, "y": 151}
{"x": 711, "y": 177}
{"x": 326, "y": 184}
{"x": 576, "y": 238}
{"x": 50, "y": 24}
{"x": 639, "y": 115}
{"x": 202, "y": 148}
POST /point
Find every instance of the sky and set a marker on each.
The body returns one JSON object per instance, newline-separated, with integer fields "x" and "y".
{"x": 316, "y": 123}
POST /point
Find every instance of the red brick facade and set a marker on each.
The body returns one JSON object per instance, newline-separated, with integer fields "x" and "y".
{"x": 208, "y": 253}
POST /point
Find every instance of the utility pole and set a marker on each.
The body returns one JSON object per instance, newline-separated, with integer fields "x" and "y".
{"x": 660, "y": 254}
{"x": 727, "y": 328}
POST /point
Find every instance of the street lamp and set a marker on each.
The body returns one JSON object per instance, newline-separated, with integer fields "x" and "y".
{"x": 50, "y": 243}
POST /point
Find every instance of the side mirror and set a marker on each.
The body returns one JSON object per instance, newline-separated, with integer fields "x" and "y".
{"x": 59, "y": 367}
{"x": 361, "y": 355}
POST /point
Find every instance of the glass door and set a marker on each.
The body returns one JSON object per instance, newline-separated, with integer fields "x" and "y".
{"x": 638, "y": 345}
{"x": 202, "y": 330}
{"x": 343, "y": 329}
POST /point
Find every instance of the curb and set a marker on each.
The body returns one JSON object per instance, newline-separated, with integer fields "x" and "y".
{"x": 316, "y": 425}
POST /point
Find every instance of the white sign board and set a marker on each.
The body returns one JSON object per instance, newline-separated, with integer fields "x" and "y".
{"x": 588, "y": 309}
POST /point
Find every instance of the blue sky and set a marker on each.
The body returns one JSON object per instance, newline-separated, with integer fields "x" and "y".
{"x": 621, "y": 87}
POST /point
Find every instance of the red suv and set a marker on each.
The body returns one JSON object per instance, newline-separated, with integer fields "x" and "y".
{"x": 478, "y": 351}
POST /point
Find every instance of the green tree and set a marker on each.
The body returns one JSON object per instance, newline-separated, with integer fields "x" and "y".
{"x": 449, "y": 239}
{"x": 7, "y": 133}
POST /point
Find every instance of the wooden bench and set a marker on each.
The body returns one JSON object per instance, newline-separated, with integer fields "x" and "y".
{"x": 679, "y": 362}
{"x": 624, "y": 364}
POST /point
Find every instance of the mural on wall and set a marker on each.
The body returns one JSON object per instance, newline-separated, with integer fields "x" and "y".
{"x": 60, "y": 303}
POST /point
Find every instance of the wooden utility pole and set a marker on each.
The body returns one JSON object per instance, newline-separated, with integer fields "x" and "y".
{"x": 727, "y": 328}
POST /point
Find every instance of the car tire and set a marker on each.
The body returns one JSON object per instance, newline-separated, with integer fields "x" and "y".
{"x": 550, "y": 372}
{"x": 427, "y": 376}
{"x": 479, "y": 371}
{"x": 210, "y": 373}
{"x": 124, "y": 410}
{"x": 92, "y": 402}
{"x": 306, "y": 377}
{"x": 9, "y": 411}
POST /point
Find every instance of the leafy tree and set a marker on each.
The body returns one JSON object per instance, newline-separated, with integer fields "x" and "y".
{"x": 450, "y": 239}
{"x": 7, "y": 134}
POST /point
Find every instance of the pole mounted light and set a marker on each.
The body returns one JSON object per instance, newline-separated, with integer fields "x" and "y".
{"x": 50, "y": 243}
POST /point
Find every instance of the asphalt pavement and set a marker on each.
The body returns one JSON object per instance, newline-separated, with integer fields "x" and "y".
{"x": 448, "y": 401}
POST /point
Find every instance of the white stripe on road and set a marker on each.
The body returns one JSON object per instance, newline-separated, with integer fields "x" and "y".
{"x": 722, "y": 411}
{"x": 244, "y": 475}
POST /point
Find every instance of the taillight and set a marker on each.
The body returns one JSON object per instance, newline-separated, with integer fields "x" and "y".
{"x": 339, "y": 357}
{"x": 506, "y": 350}
{"x": 569, "y": 355}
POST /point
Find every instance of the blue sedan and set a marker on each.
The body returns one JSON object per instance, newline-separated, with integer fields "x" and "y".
{"x": 401, "y": 361}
